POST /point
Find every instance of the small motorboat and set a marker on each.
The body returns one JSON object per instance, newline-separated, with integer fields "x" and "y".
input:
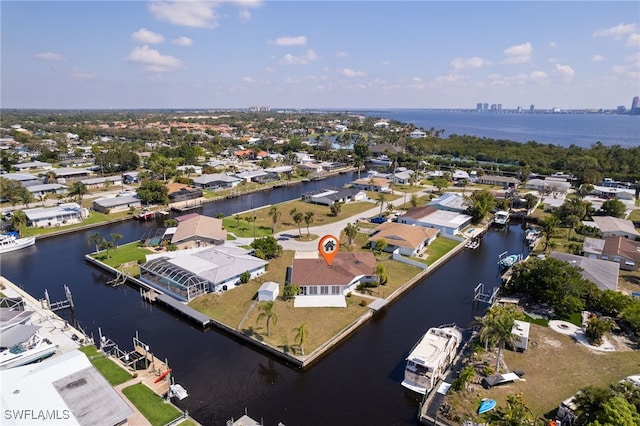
{"x": 486, "y": 405}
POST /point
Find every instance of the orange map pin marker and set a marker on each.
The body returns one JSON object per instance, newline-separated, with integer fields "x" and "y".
{"x": 328, "y": 247}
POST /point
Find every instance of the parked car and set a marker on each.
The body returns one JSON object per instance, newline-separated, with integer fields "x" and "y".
{"x": 378, "y": 219}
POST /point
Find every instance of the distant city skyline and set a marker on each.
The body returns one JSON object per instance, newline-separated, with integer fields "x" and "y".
{"x": 319, "y": 54}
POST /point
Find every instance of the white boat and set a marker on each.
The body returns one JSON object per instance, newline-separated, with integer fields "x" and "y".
{"x": 430, "y": 358}
{"x": 501, "y": 217}
{"x": 11, "y": 241}
{"x": 382, "y": 160}
{"x": 26, "y": 351}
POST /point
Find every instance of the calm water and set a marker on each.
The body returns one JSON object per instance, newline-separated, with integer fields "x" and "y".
{"x": 357, "y": 383}
{"x": 558, "y": 129}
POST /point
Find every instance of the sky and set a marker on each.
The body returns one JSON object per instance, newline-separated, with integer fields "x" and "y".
{"x": 318, "y": 54}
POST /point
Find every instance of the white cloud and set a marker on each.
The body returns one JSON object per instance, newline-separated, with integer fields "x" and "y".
{"x": 518, "y": 54}
{"x": 50, "y": 56}
{"x": 565, "y": 71}
{"x": 187, "y": 13}
{"x": 244, "y": 15}
{"x": 270, "y": 69}
{"x": 82, "y": 75}
{"x": 347, "y": 72}
{"x": 342, "y": 55}
{"x": 538, "y": 75}
{"x": 462, "y": 63}
{"x": 386, "y": 62}
{"x": 553, "y": 44}
{"x": 449, "y": 78}
{"x": 290, "y": 41}
{"x": 145, "y": 36}
{"x": 154, "y": 60}
{"x": 182, "y": 41}
{"x": 633, "y": 40}
{"x": 248, "y": 80}
{"x": 416, "y": 79}
{"x": 597, "y": 58}
{"x": 618, "y": 32}
{"x": 305, "y": 59}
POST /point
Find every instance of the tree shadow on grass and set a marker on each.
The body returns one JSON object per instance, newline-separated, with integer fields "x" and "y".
{"x": 252, "y": 332}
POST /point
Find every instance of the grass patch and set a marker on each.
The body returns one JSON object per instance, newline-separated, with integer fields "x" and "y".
{"x": 543, "y": 322}
{"x": 152, "y": 407}
{"x": 111, "y": 371}
{"x": 555, "y": 368}
{"x": 629, "y": 281}
{"x": 124, "y": 253}
{"x": 635, "y": 214}
{"x": 439, "y": 248}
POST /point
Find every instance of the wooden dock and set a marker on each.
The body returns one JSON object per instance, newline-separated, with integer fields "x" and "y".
{"x": 187, "y": 311}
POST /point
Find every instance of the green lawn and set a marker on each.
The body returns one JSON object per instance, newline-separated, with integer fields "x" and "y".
{"x": 635, "y": 215}
{"x": 439, "y": 248}
{"x": 152, "y": 407}
{"x": 129, "y": 252}
{"x": 114, "y": 374}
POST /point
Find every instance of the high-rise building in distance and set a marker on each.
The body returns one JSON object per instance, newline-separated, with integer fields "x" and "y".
{"x": 635, "y": 106}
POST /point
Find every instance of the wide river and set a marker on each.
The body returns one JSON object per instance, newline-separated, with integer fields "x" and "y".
{"x": 357, "y": 383}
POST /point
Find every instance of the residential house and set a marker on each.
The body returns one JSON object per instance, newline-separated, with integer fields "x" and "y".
{"x": 449, "y": 201}
{"x": 613, "y": 227}
{"x": 448, "y": 222}
{"x": 64, "y": 214}
{"x": 216, "y": 181}
{"x": 328, "y": 197}
{"x": 384, "y": 148}
{"x": 410, "y": 240}
{"x": 186, "y": 274}
{"x": 69, "y": 174}
{"x": 117, "y": 204}
{"x": 46, "y": 189}
{"x": 548, "y": 185}
{"x": 373, "y": 184}
{"x": 613, "y": 193}
{"x": 190, "y": 170}
{"x": 314, "y": 167}
{"x": 32, "y": 165}
{"x": 324, "y": 285}
{"x": 25, "y": 179}
{"x": 277, "y": 173}
{"x": 503, "y": 181}
{"x": 102, "y": 182}
{"x": 602, "y": 273}
{"x": 199, "y": 231}
{"x": 130, "y": 177}
{"x": 182, "y": 192}
{"x": 257, "y": 176}
{"x": 64, "y": 389}
{"x": 621, "y": 250}
{"x": 460, "y": 175}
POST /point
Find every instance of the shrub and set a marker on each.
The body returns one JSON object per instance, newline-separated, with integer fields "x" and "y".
{"x": 245, "y": 277}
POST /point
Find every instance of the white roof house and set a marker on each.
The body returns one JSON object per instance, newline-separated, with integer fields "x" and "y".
{"x": 450, "y": 223}
{"x": 66, "y": 385}
{"x": 216, "y": 180}
{"x": 268, "y": 292}
{"x": 55, "y": 216}
{"x": 602, "y": 273}
{"x": 615, "y": 227}
{"x": 449, "y": 201}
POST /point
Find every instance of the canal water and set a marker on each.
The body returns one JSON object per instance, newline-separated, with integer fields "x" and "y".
{"x": 357, "y": 383}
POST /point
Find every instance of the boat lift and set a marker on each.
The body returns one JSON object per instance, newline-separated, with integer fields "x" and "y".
{"x": 57, "y": 306}
{"x": 479, "y": 294}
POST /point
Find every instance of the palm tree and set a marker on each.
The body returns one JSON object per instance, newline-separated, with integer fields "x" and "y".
{"x": 275, "y": 214}
{"x": 336, "y": 208}
{"x": 414, "y": 200}
{"x": 301, "y": 336}
{"x": 381, "y": 200}
{"x": 96, "y": 239}
{"x": 267, "y": 312}
{"x": 107, "y": 245}
{"x": 18, "y": 220}
{"x": 308, "y": 219}
{"x": 78, "y": 189}
{"x": 115, "y": 237}
{"x": 496, "y": 328}
{"x": 381, "y": 273}
{"x": 549, "y": 226}
{"x": 43, "y": 197}
{"x": 571, "y": 221}
{"x": 297, "y": 217}
{"x": 237, "y": 218}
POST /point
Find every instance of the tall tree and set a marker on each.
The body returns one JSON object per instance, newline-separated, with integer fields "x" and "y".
{"x": 297, "y": 217}
{"x": 302, "y": 333}
{"x": 496, "y": 328}
{"x": 266, "y": 311}
{"x": 351, "y": 231}
{"x": 95, "y": 239}
{"x": 274, "y": 214}
{"x": 115, "y": 237}
{"x": 18, "y": 220}
{"x": 78, "y": 190}
{"x": 308, "y": 220}
{"x": 381, "y": 200}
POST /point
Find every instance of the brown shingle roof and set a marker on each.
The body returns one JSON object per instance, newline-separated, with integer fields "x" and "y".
{"x": 623, "y": 247}
{"x": 401, "y": 235}
{"x": 199, "y": 226}
{"x": 344, "y": 268}
{"x": 419, "y": 212}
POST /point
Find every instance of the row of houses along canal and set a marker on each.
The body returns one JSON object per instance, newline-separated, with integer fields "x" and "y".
{"x": 357, "y": 383}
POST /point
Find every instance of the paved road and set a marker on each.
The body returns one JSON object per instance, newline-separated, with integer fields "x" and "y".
{"x": 288, "y": 242}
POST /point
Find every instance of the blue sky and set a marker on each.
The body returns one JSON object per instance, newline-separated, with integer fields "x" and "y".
{"x": 319, "y": 54}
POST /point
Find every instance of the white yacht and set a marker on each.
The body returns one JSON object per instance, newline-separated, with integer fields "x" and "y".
{"x": 501, "y": 217}
{"x": 23, "y": 345}
{"x": 11, "y": 241}
{"x": 429, "y": 359}
{"x": 381, "y": 160}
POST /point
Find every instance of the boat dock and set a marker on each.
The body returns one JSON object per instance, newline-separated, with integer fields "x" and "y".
{"x": 187, "y": 311}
